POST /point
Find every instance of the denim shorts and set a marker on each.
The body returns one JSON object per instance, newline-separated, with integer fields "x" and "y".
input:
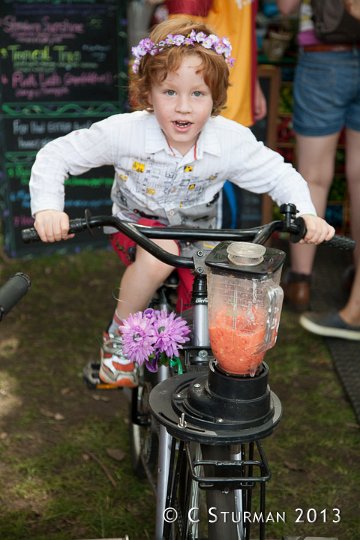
{"x": 327, "y": 92}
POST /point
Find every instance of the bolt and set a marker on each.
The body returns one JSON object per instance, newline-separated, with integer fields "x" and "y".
{"x": 203, "y": 354}
{"x": 182, "y": 422}
{"x": 199, "y": 270}
{"x": 197, "y": 385}
{"x": 200, "y": 253}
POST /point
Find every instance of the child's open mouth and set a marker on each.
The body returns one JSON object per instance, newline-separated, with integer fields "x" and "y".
{"x": 182, "y": 125}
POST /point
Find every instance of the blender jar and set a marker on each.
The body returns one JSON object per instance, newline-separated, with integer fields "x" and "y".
{"x": 245, "y": 302}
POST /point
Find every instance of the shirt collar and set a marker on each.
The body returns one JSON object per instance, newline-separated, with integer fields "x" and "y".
{"x": 155, "y": 141}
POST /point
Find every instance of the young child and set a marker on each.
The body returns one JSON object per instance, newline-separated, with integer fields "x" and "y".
{"x": 171, "y": 159}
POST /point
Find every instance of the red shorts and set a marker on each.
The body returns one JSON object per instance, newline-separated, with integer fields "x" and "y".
{"x": 125, "y": 249}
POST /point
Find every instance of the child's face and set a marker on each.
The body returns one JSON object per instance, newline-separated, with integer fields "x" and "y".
{"x": 182, "y": 104}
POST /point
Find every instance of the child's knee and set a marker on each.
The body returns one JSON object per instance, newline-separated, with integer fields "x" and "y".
{"x": 157, "y": 270}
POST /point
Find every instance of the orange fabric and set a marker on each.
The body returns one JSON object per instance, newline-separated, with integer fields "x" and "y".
{"x": 236, "y": 21}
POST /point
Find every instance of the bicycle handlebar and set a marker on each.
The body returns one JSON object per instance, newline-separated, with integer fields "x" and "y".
{"x": 141, "y": 234}
{"x": 12, "y": 291}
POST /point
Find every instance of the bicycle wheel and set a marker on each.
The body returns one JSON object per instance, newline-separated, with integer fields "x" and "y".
{"x": 197, "y": 513}
{"x": 143, "y": 429}
{"x": 183, "y": 500}
{"x": 224, "y": 506}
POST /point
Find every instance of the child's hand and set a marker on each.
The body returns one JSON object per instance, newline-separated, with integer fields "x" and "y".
{"x": 318, "y": 230}
{"x": 52, "y": 225}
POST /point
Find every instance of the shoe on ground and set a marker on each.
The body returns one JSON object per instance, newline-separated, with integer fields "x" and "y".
{"x": 329, "y": 325}
{"x": 115, "y": 368}
{"x": 297, "y": 291}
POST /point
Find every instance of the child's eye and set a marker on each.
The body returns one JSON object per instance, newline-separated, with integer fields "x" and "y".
{"x": 197, "y": 93}
{"x": 170, "y": 92}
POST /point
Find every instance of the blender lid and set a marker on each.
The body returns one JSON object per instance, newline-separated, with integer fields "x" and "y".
{"x": 222, "y": 256}
{"x": 245, "y": 253}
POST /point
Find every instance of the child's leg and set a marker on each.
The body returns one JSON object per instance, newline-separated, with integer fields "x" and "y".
{"x": 139, "y": 283}
{"x": 142, "y": 278}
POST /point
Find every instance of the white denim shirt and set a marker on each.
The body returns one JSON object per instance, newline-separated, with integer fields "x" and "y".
{"x": 152, "y": 179}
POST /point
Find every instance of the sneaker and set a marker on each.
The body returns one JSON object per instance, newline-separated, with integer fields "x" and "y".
{"x": 115, "y": 368}
{"x": 329, "y": 325}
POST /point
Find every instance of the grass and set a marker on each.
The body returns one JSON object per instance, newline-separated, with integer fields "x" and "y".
{"x": 59, "y": 479}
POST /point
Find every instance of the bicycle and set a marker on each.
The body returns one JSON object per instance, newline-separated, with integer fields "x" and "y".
{"x": 191, "y": 421}
{"x": 12, "y": 291}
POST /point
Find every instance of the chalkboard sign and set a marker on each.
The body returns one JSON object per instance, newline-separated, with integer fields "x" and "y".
{"x": 242, "y": 208}
{"x": 62, "y": 67}
{"x": 60, "y": 51}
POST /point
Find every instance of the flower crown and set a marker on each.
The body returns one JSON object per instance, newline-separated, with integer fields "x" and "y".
{"x": 147, "y": 46}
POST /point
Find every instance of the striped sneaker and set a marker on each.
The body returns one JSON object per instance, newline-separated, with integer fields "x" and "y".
{"x": 115, "y": 368}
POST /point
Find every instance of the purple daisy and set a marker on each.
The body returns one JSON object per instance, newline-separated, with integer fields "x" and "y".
{"x": 171, "y": 331}
{"x": 138, "y": 337}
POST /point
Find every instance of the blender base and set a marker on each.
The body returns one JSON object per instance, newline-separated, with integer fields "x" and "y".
{"x": 215, "y": 408}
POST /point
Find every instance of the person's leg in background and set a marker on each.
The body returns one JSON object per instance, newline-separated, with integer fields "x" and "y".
{"x": 353, "y": 185}
{"x": 345, "y": 323}
{"x": 315, "y": 162}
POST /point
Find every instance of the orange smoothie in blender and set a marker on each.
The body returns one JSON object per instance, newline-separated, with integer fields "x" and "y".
{"x": 235, "y": 341}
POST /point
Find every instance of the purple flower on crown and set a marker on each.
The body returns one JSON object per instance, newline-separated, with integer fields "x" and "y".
{"x": 210, "y": 41}
{"x": 169, "y": 40}
{"x": 199, "y": 37}
{"x": 227, "y": 47}
{"x": 144, "y": 47}
{"x": 179, "y": 40}
{"x": 135, "y": 66}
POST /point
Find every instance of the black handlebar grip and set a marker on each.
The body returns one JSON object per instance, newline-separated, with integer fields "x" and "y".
{"x": 30, "y": 235}
{"x": 341, "y": 242}
{"x": 12, "y": 291}
{"x": 76, "y": 225}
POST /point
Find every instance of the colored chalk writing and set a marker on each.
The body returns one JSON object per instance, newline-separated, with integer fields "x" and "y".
{"x": 62, "y": 67}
